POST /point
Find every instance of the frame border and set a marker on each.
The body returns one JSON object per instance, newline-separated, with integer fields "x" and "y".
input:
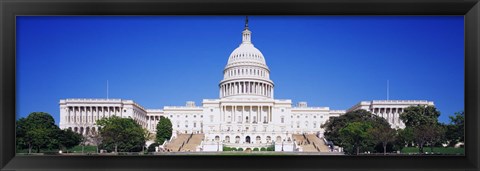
{"x": 11, "y": 8}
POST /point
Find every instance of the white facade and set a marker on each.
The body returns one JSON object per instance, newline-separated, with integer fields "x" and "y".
{"x": 246, "y": 114}
{"x": 389, "y": 109}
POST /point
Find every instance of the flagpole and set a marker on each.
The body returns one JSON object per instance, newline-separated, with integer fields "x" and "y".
{"x": 388, "y": 89}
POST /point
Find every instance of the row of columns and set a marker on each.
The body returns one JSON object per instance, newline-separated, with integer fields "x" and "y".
{"x": 253, "y": 117}
{"x": 90, "y": 114}
{"x": 246, "y": 87}
{"x": 392, "y": 115}
{"x": 247, "y": 71}
{"x": 140, "y": 117}
{"x": 152, "y": 122}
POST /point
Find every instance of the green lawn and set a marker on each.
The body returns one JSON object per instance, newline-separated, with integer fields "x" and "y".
{"x": 87, "y": 149}
{"x": 436, "y": 150}
{"x": 76, "y": 149}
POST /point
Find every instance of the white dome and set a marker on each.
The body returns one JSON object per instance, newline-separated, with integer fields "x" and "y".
{"x": 246, "y": 52}
{"x": 246, "y": 74}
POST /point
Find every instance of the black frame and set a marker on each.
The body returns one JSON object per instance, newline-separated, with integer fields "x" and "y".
{"x": 10, "y": 8}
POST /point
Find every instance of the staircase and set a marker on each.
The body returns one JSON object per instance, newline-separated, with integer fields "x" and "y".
{"x": 311, "y": 143}
{"x": 317, "y": 142}
{"x": 185, "y": 143}
{"x": 175, "y": 144}
{"x": 192, "y": 143}
{"x": 305, "y": 143}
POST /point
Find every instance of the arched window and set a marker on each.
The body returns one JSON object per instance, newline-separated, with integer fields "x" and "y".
{"x": 237, "y": 139}
{"x": 258, "y": 139}
{"x": 227, "y": 139}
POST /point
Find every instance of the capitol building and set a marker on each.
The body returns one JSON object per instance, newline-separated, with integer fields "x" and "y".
{"x": 246, "y": 114}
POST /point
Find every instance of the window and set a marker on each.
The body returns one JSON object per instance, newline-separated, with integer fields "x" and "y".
{"x": 283, "y": 110}
{"x": 194, "y": 116}
{"x": 314, "y": 116}
{"x": 194, "y": 124}
{"x": 211, "y": 110}
{"x": 282, "y": 119}
{"x": 211, "y": 118}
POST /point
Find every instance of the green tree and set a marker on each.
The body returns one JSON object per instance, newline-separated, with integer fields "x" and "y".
{"x": 121, "y": 134}
{"x": 96, "y": 139}
{"x": 69, "y": 139}
{"x": 147, "y": 135}
{"x": 415, "y": 116}
{"x": 382, "y": 135}
{"x": 37, "y": 130}
{"x": 423, "y": 120}
{"x": 334, "y": 125}
{"x": 355, "y": 135}
{"x": 164, "y": 130}
{"x": 455, "y": 131}
{"x": 404, "y": 138}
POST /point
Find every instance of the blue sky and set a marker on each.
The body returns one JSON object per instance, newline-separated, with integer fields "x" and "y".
{"x": 332, "y": 61}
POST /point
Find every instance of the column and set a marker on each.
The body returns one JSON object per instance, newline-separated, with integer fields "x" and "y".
{"x": 388, "y": 114}
{"x": 272, "y": 92}
{"x": 244, "y": 88}
{"x": 234, "y": 113}
{"x": 264, "y": 89}
{"x": 261, "y": 89}
{"x": 268, "y": 90}
{"x": 261, "y": 116}
{"x": 250, "y": 115}
{"x": 74, "y": 115}
{"x": 258, "y": 114}
{"x": 68, "y": 114}
{"x": 81, "y": 114}
{"x": 243, "y": 112}
{"x": 271, "y": 109}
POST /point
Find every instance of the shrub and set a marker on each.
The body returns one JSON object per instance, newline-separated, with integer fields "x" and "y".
{"x": 152, "y": 146}
{"x": 240, "y": 149}
{"x": 255, "y": 149}
{"x": 263, "y": 149}
{"x": 271, "y": 148}
{"x": 225, "y": 148}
